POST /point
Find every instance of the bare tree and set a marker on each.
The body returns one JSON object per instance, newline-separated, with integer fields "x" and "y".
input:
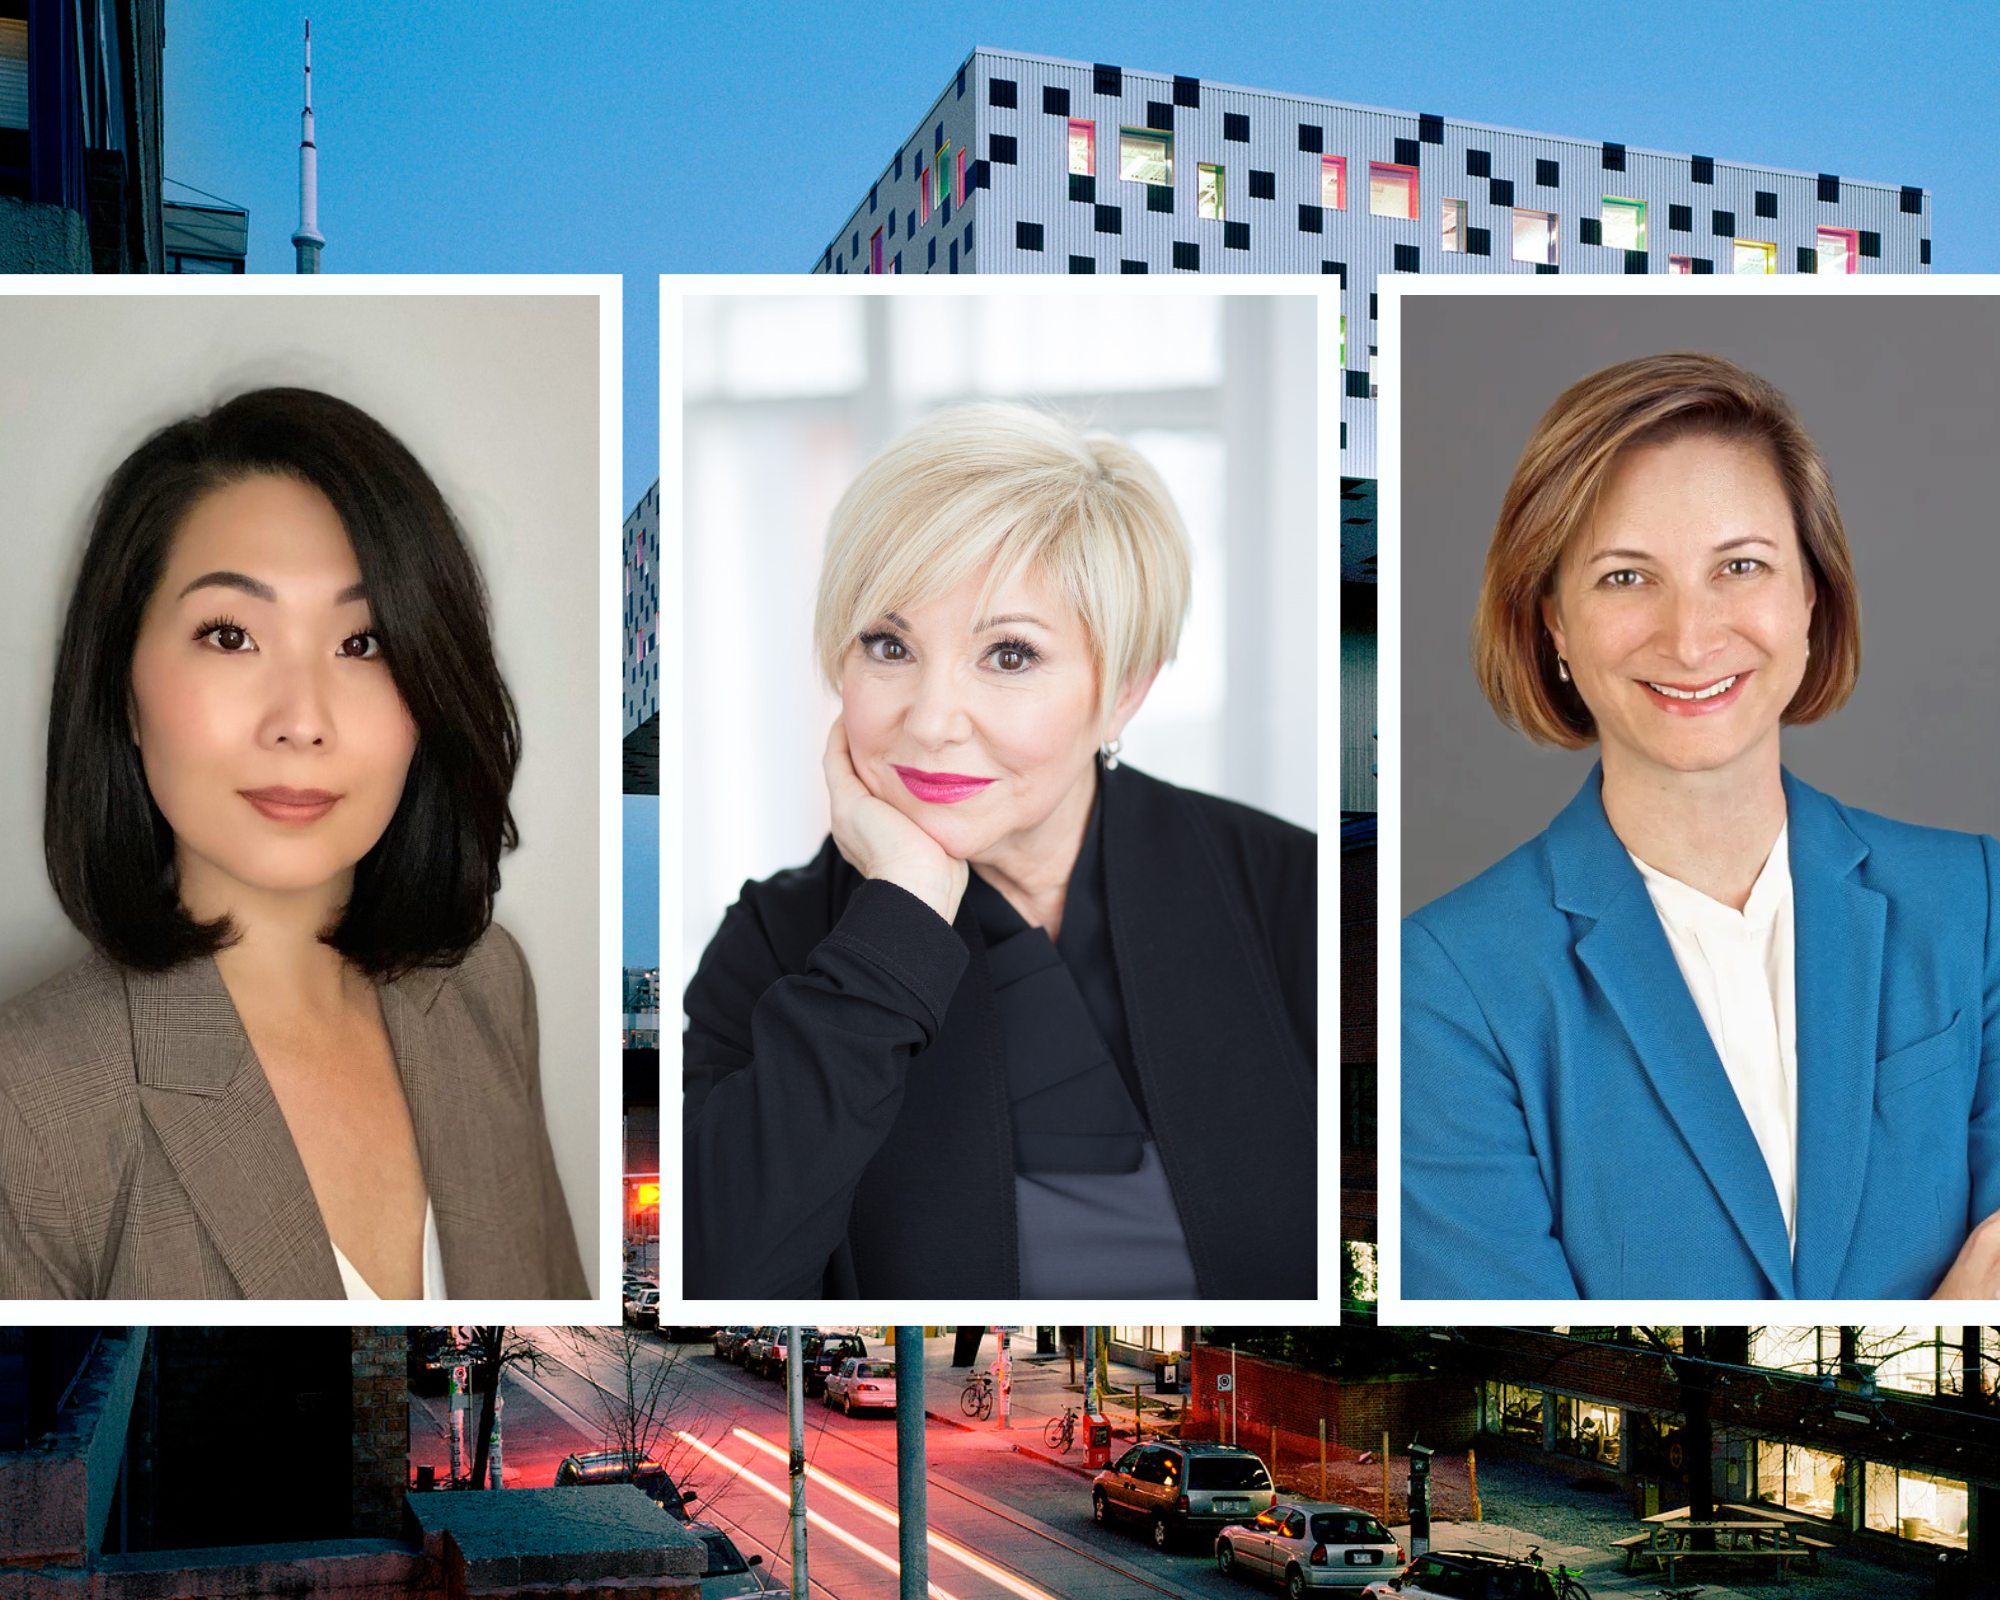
{"x": 639, "y": 1392}
{"x": 493, "y": 1349}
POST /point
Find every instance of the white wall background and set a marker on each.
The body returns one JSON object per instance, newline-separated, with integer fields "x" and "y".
{"x": 497, "y": 396}
{"x": 786, "y": 397}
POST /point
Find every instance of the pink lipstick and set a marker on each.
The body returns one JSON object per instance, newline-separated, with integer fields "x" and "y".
{"x": 940, "y": 788}
{"x": 291, "y": 805}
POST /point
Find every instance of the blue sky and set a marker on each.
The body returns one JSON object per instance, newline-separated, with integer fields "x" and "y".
{"x": 638, "y": 137}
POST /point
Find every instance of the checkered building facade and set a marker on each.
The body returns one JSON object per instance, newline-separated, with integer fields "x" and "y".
{"x": 641, "y": 688}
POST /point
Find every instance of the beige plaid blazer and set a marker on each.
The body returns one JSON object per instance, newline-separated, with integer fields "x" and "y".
{"x": 143, "y": 1156}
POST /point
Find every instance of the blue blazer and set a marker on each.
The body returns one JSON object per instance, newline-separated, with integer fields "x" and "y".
{"x": 1568, "y": 1129}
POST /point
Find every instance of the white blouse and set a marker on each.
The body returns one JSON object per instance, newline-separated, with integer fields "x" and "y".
{"x": 357, "y": 1286}
{"x": 1738, "y": 966}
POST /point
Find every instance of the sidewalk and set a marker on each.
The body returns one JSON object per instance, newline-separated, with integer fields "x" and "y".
{"x": 1040, "y": 1389}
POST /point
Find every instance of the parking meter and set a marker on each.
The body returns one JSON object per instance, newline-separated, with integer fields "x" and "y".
{"x": 1420, "y": 1499}
{"x": 1097, "y": 1441}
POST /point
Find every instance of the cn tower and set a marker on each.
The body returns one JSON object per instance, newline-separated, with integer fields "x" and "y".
{"x": 307, "y": 241}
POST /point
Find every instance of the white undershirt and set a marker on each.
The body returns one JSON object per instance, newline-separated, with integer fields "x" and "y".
{"x": 1738, "y": 966}
{"x": 357, "y": 1286}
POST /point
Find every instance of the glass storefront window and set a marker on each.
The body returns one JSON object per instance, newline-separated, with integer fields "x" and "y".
{"x": 1813, "y": 1482}
{"x": 1145, "y": 156}
{"x": 1587, "y": 1430}
{"x": 1787, "y": 1349}
{"x": 1915, "y": 1505}
{"x": 1514, "y": 1412}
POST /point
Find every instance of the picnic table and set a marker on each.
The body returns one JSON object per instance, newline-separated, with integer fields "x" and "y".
{"x": 1672, "y": 1538}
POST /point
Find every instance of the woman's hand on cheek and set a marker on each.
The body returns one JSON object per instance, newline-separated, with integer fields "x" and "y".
{"x": 1975, "y": 1275}
{"x": 878, "y": 841}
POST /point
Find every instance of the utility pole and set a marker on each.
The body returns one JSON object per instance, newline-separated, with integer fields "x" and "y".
{"x": 795, "y": 1395}
{"x": 912, "y": 1507}
{"x": 1006, "y": 1378}
{"x": 1090, "y": 1395}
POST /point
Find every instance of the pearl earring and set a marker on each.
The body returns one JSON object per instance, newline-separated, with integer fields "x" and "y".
{"x": 1562, "y": 669}
{"x": 1109, "y": 751}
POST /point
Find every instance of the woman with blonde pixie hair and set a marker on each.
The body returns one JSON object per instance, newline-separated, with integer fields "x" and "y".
{"x": 1712, "y": 1034}
{"x": 977, "y": 1046}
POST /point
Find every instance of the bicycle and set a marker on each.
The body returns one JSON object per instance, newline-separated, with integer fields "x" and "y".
{"x": 977, "y": 1400}
{"x": 1567, "y": 1585}
{"x": 1060, "y": 1433}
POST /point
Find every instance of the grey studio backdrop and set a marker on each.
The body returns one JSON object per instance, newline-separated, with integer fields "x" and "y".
{"x": 1902, "y": 395}
{"x": 497, "y": 396}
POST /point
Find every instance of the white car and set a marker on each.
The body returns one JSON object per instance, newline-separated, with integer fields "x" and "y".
{"x": 1308, "y": 1546}
{"x": 728, "y": 1574}
{"x": 862, "y": 1381}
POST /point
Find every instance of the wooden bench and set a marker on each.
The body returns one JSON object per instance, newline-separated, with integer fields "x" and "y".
{"x": 1778, "y": 1557}
{"x": 1640, "y": 1544}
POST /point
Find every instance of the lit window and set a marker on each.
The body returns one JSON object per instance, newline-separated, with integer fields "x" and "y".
{"x": 1624, "y": 224}
{"x": 1373, "y": 390}
{"x": 1333, "y": 182}
{"x": 1811, "y": 1481}
{"x": 1208, "y": 192}
{"x": 1755, "y": 258}
{"x": 1392, "y": 191}
{"x": 1839, "y": 249}
{"x": 1454, "y": 226}
{"x": 1343, "y": 342}
{"x": 1915, "y": 1505}
{"x": 1145, "y": 155}
{"x": 1083, "y": 149}
{"x": 1535, "y": 237}
{"x": 1680, "y": 266}
{"x": 1513, "y": 1410}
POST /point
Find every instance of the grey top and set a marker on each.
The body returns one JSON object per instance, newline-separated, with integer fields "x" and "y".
{"x": 1096, "y": 1215}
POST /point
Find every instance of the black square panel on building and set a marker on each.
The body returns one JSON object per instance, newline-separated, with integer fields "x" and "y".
{"x": 1263, "y": 185}
{"x": 1187, "y": 92}
{"x": 1924, "y": 251}
{"x": 1131, "y": 269}
{"x": 1636, "y": 264}
{"x": 1767, "y": 203}
{"x": 1187, "y": 257}
{"x": 1082, "y": 266}
{"x": 1430, "y": 129}
{"x": 1110, "y": 219}
{"x": 1000, "y": 92}
{"x": 1374, "y": 301}
{"x": 1701, "y": 169}
{"x": 1478, "y": 242}
{"x": 1337, "y": 268}
{"x": 1408, "y": 152}
{"x": 1703, "y": 267}
{"x": 1501, "y": 191}
{"x": 1829, "y": 188}
{"x": 1913, "y": 201}
{"x": 1548, "y": 174}
{"x": 1680, "y": 218}
{"x": 1027, "y": 236}
{"x": 1235, "y": 127}
{"x": 1055, "y": 101}
{"x": 1107, "y": 80}
{"x": 981, "y": 176}
{"x": 1722, "y": 224}
{"x": 1614, "y": 157}
{"x": 1589, "y": 230}
{"x": 1357, "y": 385}
{"x": 1808, "y": 258}
{"x": 1406, "y": 260}
{"x": 1479, "y": 163}
{"x": 933, "y": 253}
{"x": 1000, "y": 147}
{"x": 1546, "y": 269}
{"x": 899, "y": 166}
{"x": 1082, "y": 186}
{"x": 1236, "y": 236}
{"x": 1160, "y": 116}
{"x": 1311, "y": 219}
{"x": 1871, "y": 243}
{"x": 1312, "y": 138}
{"x": 1160, "y": 197}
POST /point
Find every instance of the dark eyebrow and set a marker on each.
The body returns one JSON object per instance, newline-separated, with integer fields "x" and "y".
{"x": 261, "y": 591}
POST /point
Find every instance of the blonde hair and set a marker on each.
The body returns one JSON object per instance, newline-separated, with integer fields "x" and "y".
{"x": 1025, "y": 491}
{"x": 1570, "y": 457}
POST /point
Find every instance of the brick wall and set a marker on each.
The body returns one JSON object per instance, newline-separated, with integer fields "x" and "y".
{"x": 380, "y": 1469}
{"x": 1442, "y": 1412}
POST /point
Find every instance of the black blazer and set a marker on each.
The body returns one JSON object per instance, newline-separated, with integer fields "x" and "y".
{"x": 845, "y": 1098}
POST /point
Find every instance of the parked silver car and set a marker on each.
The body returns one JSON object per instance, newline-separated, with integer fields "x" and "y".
{"x": 1173, "y": 1488}
{"x": 861, "y": 1381}
{"x": 1309, "y": 1545}
{"x": 728, "y": 1574}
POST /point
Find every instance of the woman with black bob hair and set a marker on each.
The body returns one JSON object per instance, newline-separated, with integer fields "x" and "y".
{"x": 301, "y": 1061}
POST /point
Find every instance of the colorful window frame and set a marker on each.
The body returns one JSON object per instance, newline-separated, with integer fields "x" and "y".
{"x": 1209, "y": 192}
{"x": 924, "y": 195}
{"x": 1453, "y": 240}
{"x": 1622, "y": 223}
{"x": 958, "y": 177}
{"x": 1680, "y": 266}
{"x": 1082, "y": 148}
{"x": 1754, "y": 258}
{"x": 875, "y": 252}
{"x": 1333, "y": 182}
{"x": 1839, "y": 250}
{"x": 1392, "y": 190}
{"x": 1145, "y": 155}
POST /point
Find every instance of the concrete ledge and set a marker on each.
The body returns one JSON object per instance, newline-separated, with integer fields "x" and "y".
{"x": 327, "y": 1569}
{"x": 514, "y": 1539}
{"x": 42, "y": 238}
{"x": 56, "y": 1494}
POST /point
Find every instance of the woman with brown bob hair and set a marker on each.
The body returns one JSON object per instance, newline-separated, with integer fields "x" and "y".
{"x": 1711, "y": 1034}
